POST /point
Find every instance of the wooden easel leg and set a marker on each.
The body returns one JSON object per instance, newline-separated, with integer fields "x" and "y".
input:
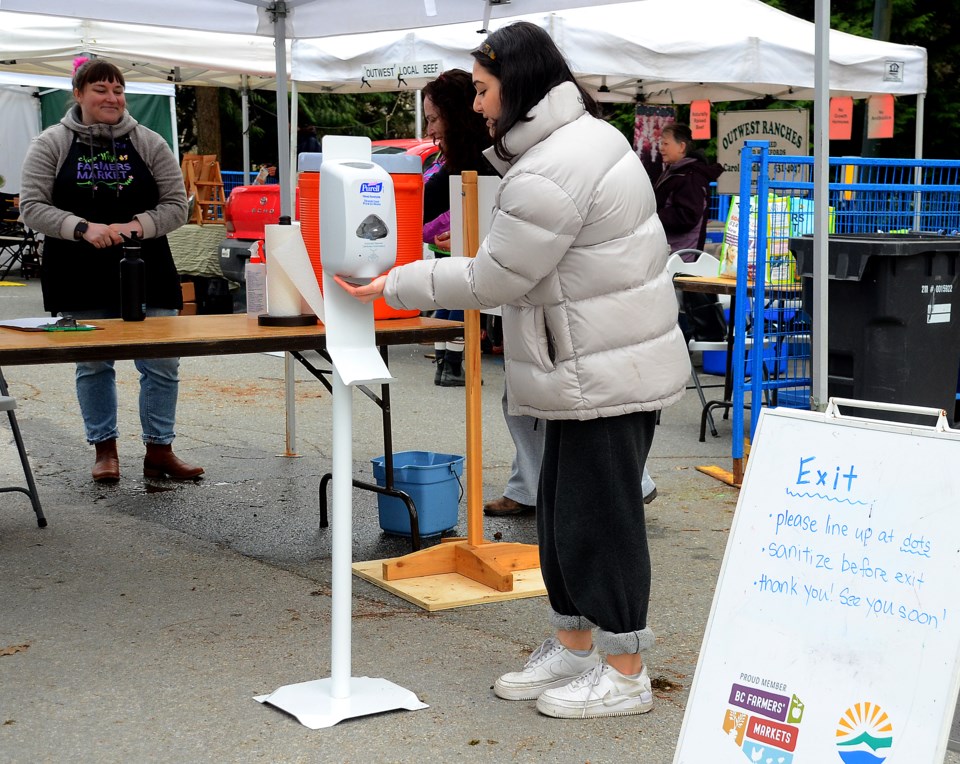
{"x": 491, "y": 564}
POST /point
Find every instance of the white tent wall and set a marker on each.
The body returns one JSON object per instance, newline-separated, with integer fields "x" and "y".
{"x": 19, "y": 124}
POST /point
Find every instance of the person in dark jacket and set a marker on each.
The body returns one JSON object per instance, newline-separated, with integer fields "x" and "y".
{"x": 462, "y": 136}
{"x": 683, "y": 189}
{"x": 88, "y": 181}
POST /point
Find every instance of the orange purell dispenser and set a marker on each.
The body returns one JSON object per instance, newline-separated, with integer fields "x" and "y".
{"x": 407, "y": 175}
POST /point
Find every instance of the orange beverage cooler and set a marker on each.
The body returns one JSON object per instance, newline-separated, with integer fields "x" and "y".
{"x": 408, "y": 192}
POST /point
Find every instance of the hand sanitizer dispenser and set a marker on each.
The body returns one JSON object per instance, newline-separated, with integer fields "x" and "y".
{"x": 358, "y": 231}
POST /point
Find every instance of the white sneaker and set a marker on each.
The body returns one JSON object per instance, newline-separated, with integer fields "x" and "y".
{"x": 550, "y": 665}
{"x": 602, "y": 691}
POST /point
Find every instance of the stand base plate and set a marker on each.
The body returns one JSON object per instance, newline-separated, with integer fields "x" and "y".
{"x": 313, "y": 705}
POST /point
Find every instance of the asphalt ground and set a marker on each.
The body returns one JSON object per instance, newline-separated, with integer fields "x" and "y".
{"x": 138, "y": 626}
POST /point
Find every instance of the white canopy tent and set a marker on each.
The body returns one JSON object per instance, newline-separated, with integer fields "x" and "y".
{"x": 275, "y": 18}
{"x": 723, "y": 51}
{"x": 46, "y": 45}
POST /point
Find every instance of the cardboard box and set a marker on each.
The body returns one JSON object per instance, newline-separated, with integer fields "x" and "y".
{"x": 189, "y": 309}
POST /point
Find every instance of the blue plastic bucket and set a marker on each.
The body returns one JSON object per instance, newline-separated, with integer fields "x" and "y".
{"x": 715, "y": 361}
{"x": 431, "y": 480}
{"x": 794, "y": 398}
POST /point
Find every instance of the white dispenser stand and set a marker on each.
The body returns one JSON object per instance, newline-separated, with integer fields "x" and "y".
{"x": 348, "y": 194}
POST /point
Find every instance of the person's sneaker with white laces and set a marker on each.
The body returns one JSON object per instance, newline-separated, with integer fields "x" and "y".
{"x": 602, "y": 691}
{"x": 550, "y": 665}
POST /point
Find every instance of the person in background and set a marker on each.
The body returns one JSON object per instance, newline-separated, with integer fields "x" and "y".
{"x": 683, "y": 190}
{"x": 576, "y": 256}
{"x": 520, "y": 494}
{"x": 307, "y": 141}
{"x": 89, "y": 180}
{"x": 462, "y": 136}
{"x": 267, "y": 176}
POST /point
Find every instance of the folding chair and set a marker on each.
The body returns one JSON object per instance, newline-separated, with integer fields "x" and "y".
{"x": 704, "y": 265}
{"x": 8, "y": 404}
{"x": 707, "y": 265}
{"x": 18, "y": 244}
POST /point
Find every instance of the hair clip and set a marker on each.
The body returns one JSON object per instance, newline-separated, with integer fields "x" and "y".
{"x": 78, "y": 62}
{"x": 487, "y": 51}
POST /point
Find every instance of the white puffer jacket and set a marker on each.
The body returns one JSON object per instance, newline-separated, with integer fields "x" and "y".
{"x": 577, "y": 257}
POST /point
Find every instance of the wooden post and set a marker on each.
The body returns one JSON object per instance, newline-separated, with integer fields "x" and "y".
{"x": 491, "y": 564}
{"x": 471, "y": 351}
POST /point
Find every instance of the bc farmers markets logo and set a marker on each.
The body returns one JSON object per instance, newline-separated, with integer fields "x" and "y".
{"x": 764, "y": 722}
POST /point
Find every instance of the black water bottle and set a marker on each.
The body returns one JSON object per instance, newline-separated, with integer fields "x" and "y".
{"x": 133, "y": 286}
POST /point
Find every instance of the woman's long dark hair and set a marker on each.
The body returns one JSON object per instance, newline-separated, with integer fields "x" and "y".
{"x": 465, "y": 131}
{"x": 529, "y": 65}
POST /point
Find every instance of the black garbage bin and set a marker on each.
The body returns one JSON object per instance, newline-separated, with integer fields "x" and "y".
{"x": 894, "y": 328}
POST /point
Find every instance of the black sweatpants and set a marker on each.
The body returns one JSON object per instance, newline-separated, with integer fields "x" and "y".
{"x": 590, "y": 520}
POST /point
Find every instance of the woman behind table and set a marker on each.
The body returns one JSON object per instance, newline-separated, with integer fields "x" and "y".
{"x": 462, "y": 136}
{"x": 95, "y": 176}
{"x": 577, "y": 257}
{"x": 683, "y": 189}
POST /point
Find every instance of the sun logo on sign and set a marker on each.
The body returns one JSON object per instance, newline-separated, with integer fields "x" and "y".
{"x": 864, "y": 734}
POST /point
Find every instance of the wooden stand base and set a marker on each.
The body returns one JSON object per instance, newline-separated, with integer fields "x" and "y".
{"x": 444, "y": 591}
{"x": 491, "y": 564}
{"x": 734, "y": 478}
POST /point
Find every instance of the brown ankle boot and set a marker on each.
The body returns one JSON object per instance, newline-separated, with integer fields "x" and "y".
{"x": 107, "y": 467}
{"x": 160, "y": 461}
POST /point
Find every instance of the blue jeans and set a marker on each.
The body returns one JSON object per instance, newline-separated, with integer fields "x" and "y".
{"x": 448, "y": 315}
{"x": 97, "y": 391}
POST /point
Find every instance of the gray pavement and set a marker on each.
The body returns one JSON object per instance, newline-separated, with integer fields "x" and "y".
{"x": 141, "y": 622}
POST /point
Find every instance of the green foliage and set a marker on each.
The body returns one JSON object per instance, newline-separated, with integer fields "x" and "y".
{"x": 374, "y": 115}
{"x": 912, "y": 22}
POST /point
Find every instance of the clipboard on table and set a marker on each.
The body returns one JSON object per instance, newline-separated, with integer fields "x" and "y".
{"x": 46, "y": 325}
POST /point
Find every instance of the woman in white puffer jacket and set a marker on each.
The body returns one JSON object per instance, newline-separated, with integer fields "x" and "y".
{"x": 576, "y": 255}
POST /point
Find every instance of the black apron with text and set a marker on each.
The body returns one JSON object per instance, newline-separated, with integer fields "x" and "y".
{"x": 104, "y": 184}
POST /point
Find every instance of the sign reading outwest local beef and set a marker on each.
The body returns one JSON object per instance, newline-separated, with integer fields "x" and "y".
{"x": 401, "y": 72}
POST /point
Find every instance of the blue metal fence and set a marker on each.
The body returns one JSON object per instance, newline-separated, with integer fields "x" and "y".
{"x": 231, "y": 179}
{"x": 865, "y": 196}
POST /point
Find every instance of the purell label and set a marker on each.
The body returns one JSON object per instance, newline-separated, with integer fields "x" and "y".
{"x": 371, "y": 188}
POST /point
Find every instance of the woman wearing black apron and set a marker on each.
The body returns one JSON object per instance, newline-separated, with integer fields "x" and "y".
{"x": 87, "y": 180}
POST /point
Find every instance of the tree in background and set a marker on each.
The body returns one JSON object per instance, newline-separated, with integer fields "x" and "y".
{"x": 912, "y": 22}
{"x": 374, "y": 115}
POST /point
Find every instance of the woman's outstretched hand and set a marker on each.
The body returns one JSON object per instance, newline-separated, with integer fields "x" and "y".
{"x": 367, "y": 292}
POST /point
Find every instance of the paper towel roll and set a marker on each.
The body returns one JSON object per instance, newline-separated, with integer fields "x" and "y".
{"x": 290, "y": 274}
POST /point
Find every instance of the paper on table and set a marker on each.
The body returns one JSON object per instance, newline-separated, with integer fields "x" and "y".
{"x": 290, "y": 274}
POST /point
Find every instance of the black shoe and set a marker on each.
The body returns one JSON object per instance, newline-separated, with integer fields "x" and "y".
{"x": 503, "y": 506}
{"x": 650, "y": 496}
{"x": 452, "y": 374}
{"x": 438, "y": 374}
